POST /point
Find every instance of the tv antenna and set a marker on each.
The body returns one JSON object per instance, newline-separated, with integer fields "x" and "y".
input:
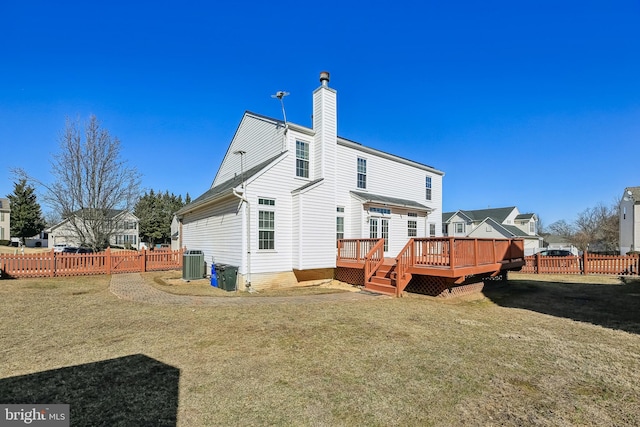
{"x": 280, "y": 95}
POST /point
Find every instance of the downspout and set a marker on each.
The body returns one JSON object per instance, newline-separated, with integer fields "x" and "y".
{"x": 248, "y": 231}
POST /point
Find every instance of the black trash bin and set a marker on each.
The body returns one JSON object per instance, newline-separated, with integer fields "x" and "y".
{"x": 227, "y": 276}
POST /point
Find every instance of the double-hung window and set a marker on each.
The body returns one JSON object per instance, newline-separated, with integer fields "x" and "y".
{"x": 266, "y": 224}
{"x": 362, "y": 173}
{"x": 428, "y": 188}
{"x": 340, "y": 223}
{"x": 302, "y": 159}
{"x": 412, "y": 224}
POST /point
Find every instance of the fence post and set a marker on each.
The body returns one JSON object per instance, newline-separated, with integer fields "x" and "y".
{"x": 107, "y": 261}
{"x": 536, "y": 266}
{"x": 52, "y": 263}
{"x": 143, "y": 261}
{"x": 585, "y": 270}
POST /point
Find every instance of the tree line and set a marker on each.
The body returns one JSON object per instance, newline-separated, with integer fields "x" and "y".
{"x": 90, "y": 182}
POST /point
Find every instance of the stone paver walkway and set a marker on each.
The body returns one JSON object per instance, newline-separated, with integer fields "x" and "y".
{"x": 131, "y": 286}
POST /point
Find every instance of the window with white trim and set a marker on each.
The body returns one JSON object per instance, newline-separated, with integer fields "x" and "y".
{"x": 412, "y": 228}
{"x": 266, "y": 224}
{"x": 428, "y": 188}
{"x": 340, "y": 223}
{"x": 362, "y": 173}
{"x": 459, "y": 227}
{"x": 432, "y": 230}
{"x": 302, "y": 159}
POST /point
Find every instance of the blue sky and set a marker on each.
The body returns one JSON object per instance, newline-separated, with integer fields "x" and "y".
{"x": 532, "y": 104}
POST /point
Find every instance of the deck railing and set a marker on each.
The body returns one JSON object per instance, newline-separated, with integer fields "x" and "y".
{"x": 355, "y": 250}
{"x": 373, "y": 259}
{"x": 454, "y": 252}
{"x": 52, "y": 264}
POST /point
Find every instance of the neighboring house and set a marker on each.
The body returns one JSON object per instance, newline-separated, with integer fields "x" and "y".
{"x": 285, "y": 193}
{"x": 126, "y": 231}
{"x": 630, "y": 220}
{"x": 502, "y": 223}
{"x": 5, "y": 219}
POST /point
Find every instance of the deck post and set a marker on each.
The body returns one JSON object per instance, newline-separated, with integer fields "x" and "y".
{"x": 475, "y": 251}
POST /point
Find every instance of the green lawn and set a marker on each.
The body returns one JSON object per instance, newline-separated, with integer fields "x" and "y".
{"x": 534, "y": 352}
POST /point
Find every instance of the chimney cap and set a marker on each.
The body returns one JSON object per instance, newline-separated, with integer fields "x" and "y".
{"x": 324, "y": 78}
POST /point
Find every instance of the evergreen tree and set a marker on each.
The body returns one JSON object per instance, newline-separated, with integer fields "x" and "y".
{"x": 26, "y": 215}
{"x": 155, "y": 211}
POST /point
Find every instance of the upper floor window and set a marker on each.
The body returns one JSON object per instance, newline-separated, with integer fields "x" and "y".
{"x": 428, "y": 188}
{"x": 532, "y": 227}
{"x": 362, "y": 173}
{"x": 459, "y": 227}
{"x": 302, "y": 159}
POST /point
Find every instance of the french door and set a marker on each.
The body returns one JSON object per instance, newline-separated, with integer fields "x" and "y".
{"x": 379, "y": 229}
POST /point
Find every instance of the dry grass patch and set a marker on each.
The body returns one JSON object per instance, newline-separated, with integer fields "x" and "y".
{"x": 172, "y": 282}
{"x": 414, "y": 361}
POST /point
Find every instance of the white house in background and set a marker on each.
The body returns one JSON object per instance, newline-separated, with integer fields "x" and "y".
{"x": 502, "y": 223}
{"x": 284, "y": 193}
{"x": 5, "y": 219}
{"x": 630, "y": 220}
{"x": 125, "y": 234}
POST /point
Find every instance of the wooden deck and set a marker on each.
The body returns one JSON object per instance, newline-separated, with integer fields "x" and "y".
{"x": 448, "y": 257}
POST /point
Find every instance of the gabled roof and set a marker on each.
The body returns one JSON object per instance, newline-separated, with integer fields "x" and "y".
{"x": 446, "y": 217}
{"x": 509, "y": 230}
{"x": 498, "y": 214}
{"x": 226, "y": 187}
{"x": 524, "y": 217}
{"x": 389, "y": 201}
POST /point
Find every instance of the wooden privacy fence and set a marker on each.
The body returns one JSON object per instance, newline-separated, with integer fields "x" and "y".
{"x": 585, "y": 264}
{"x": 55, "y": 264}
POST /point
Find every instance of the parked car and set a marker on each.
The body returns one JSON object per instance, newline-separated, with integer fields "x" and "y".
{"x": 556, "y": 252}
{"x": 74, "y": 250}
{"x": 59, "y": 247}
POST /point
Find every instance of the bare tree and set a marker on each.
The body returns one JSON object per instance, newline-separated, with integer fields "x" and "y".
{"x": 92, "y": 183}
{"x": 594, "y": 228}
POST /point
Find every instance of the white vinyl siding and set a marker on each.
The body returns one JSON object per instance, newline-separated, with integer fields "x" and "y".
{"x": 217, "y": 231}
{"x": 260, "y": 138}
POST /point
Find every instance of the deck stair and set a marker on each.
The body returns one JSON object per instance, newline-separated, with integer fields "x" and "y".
{"x": 384, "y": 279}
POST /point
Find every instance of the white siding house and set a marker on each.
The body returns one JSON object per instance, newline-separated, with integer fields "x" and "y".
{"x": 123, "y": 228}
{"x": 630, "y": 220}
{"x": 495, "y": 223}
{"x": 5, "y": 219}
{"x": 284, "y": 193}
